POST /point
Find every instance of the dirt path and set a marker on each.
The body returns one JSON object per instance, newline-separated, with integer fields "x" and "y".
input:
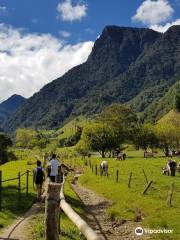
{"x": 97, "y": 218}
{"x": 20, "y": 229}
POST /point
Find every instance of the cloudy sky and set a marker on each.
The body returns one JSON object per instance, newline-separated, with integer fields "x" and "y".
{"x": 42, "y": 39}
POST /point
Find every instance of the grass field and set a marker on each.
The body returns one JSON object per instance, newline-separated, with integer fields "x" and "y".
{"x": 11, "y": 204}
{"x": 68, "y": 230}
{"x": 129, "y": 203}
{"x": 13, "y": 207}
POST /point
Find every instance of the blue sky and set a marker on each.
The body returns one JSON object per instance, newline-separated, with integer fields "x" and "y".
{"x": 41, "y": 16}
{"x": 41, "y": 39}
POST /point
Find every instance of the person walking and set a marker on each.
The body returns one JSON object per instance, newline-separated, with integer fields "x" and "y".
{"x": 39, "y": 178}
{"x": 173, "y": 167}
{"x": 54, "y": 165}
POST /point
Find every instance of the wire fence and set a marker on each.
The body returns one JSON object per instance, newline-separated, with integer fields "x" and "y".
{"x": 20, "y": 184}
{"x": 139, "y": 181}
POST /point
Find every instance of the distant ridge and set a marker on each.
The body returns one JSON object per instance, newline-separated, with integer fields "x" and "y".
{"x": 10, "y": 105}
{"x": 127, "y": 65}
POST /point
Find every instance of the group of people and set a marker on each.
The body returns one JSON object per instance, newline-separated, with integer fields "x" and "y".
{"x": 40, "y": 173}
{"x": 170, "y": 168}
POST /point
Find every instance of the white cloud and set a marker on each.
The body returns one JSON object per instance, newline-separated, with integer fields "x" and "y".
{"x": 29, "y": 61}
{"x": 65, "y": 34}
{"x": 3, "y": 9}
{"x": 164, "y": 28}
{"x": 153, "y": 12}
{"x": 70, "y": 12}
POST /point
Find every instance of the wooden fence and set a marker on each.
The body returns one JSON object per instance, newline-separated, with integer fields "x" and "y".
{"x": 130, "y": 178}
{"x": 55, "y": 202}
{"x": 19, "y": 187}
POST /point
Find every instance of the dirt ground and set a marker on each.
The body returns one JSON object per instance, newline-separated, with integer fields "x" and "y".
{"x": 95, "y": 207}
{"x": 20, "y": 229}
{"x": 97, "y": 218}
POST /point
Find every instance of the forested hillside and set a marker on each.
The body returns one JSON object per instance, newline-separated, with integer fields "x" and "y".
{"x": 127, "y": 65}
{"x": 8, "y": 106}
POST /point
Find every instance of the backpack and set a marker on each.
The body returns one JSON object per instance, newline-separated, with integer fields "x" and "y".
{"x": 39, "y": 176}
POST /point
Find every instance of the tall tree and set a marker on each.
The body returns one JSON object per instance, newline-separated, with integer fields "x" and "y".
{"x": 100, "y": 137}
{"x": 144, "y": 136}
{"x": 177, "y": 102}
{"x": 168, "y": 131}
{"x": 121, "y": 118}
{"x": 5, "y": 142}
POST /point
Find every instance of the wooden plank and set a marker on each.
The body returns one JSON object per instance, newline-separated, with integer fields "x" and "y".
{"x": 11, "y": 179}
{"x": 83, "y": 227}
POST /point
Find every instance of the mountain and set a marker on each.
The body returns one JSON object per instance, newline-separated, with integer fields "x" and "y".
{"x": 127, "y": 65}
{"x": 8, "y": 106}
{"x": 158, "y": 109}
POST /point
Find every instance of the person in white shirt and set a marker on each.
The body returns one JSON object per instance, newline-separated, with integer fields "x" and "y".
{"x": 54, "y": 165}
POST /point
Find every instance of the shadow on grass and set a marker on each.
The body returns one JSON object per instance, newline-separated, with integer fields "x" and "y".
{"x": 69, "y": 235}
{"x": 75, "y": 203}
{"x": 15, "y": 203}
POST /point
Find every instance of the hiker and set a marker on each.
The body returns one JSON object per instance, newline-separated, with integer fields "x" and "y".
{"x": 172, "y": 165}
{"x": 104, "y": 168}
{"x": 39, "y": 178}
{"x": 53, "y": 168}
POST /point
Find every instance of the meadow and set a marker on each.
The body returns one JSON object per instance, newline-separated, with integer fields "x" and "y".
{"x": 12, "y": 205}
{"x": 128, "y": 202}
{"x": 150, "y": 209}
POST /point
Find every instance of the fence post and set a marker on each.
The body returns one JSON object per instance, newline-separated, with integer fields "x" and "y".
{"x": 0, "y": 190}
{"x": 90, "y": 163}
{"x": 27, "y": 183}
{"x": 145, "y": 176}
{"x": 170, "y": 194}
{"x": 19, "y": 184}
{"x": 117, "y": 175}
{"x": 96, "y": 170}
{"x": 147, "y": 187}
{"x": 92, "y": 168}
{"x": 52, "y": 211}
{"x": 130, "y": 177}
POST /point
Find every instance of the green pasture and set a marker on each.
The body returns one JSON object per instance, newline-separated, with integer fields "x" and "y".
{"x": 130, "y": 203}
{"x": 12, "y": 205}
{"x": 68, "y": 229}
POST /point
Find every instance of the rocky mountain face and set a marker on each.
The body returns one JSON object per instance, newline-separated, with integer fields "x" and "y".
{"x": 127, "y": 65}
